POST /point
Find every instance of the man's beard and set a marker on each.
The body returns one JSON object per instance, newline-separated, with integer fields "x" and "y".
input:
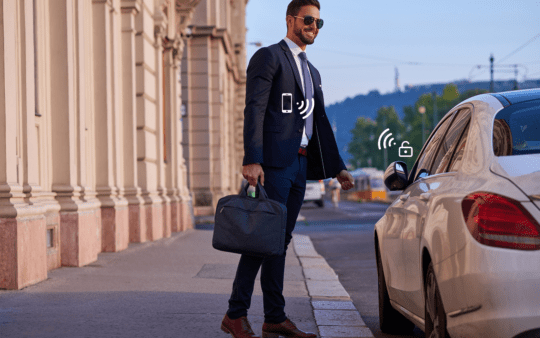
{"x": 306, "y": 40}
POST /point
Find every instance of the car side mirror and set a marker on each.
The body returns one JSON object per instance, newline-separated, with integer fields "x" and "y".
{"x": 395, "y": 176}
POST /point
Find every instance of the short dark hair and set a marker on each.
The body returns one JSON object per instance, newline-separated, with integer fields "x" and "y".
{"x": 295, "y": 6}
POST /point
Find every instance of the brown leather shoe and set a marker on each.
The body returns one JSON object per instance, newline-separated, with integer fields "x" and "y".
{"x": 238, "y": 328}
{"x": 286, "y": 329}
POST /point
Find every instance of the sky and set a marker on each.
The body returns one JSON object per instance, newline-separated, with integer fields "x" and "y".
{"x": 362, "y": 42}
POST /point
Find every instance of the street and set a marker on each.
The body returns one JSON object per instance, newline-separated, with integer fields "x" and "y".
{"x": 344, "y": 237}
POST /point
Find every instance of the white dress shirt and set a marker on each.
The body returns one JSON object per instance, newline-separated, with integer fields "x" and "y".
{"x": 295, "y": 51}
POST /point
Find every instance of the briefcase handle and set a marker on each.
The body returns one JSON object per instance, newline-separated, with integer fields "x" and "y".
{"x": 259, "y": 189}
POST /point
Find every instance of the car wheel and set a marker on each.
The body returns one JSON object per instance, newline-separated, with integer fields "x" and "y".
{"x": 390, "y": 320}
{"x": 434, "y": 310}
{"x": 320, "y": 203}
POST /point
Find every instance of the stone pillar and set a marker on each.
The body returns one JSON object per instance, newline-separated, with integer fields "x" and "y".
{"x": 79, "y": 219}
{"x": 137, "y": 221}
{"x": 184, "y": 210}
{"x": 147, "y": 127}
{"x": 22, "y": 226}
{"x": 109, "y": 126}
{"x": 197, "y": 129}
{"x": 162, "y": 96}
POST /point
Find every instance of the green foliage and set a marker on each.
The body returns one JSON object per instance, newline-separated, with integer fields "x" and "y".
{"x": 365, "y": 135}
{"x": 363, "y": 146}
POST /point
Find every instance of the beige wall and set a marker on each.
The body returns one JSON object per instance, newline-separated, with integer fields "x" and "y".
{"x": 94, "y": 152}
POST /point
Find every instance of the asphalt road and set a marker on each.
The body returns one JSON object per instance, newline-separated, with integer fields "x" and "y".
{"x": 344, "y": 237}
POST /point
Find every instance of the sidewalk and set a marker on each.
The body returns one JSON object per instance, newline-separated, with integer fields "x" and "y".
{"x": 174, "y": 287}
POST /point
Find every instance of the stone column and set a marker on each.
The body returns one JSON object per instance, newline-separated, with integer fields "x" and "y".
{"x": 79, "y": 222}
{"x": 22, "y": 226}
{"x": 197, "y": 123}
{"x": 147, "y": 127}
{"x": 109, "y": 127}
{"x": 137, "y": 221}
{"x": 162, "y": 96}
{"x": 184, "y": 15}
{"x": 171, "y": 116}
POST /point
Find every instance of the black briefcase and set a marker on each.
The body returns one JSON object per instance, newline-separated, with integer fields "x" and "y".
{"x": 251, "y": 226}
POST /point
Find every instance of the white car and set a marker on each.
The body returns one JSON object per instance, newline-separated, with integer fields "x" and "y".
{"x": 315, "y": 192}
{"x": 458, "y": 252}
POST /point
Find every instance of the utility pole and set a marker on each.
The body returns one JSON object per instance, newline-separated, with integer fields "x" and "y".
{"x": 491, "y": 84}
{"x": 435, "y": 117}
{"x": 385, "y": 151}
{"x": 422, "y": 110}
{"x": 492, "y": 67}
{"x": 516, "y": 85}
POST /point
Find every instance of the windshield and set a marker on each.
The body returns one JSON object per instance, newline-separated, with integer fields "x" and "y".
{"x": 516, "y": 130}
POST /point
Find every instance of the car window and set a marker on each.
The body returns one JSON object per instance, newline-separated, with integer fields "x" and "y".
{"x": 424, "y": 161}
{"x": 502, "y": 138}
{"x": 457, "y": 156}
{"x": 450, "y": 141}
{"x": 516, "y": 129}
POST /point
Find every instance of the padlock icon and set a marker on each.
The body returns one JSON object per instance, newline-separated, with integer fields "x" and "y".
{"x": 405, "y": 151}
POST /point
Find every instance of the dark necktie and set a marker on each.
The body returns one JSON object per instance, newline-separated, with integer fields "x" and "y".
{"x": 310, "y": 103}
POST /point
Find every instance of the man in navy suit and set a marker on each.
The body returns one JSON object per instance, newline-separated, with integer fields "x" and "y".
{"x": 287, "y": 139}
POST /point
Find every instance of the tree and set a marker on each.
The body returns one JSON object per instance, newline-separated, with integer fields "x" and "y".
{"x": 361, "y": 146}
{"x": 365, "y": 136}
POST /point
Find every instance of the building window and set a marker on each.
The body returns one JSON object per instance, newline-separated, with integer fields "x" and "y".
{"x": 50, "y": 238}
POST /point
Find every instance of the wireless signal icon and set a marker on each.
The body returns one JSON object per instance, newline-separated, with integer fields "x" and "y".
{"x": 387, "y": 140}
{"x": 310, "y": 104}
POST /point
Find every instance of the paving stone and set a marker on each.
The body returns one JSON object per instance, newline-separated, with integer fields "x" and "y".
{"x": 326, "y": 289}
{"x": 304, "y": 247}
{"x": 345, "y": 332}
{"x": 228, "y": 271}
{"x": 312, "y": 262}
{"x": 330, "y": 305}
{"x": 320, "y": 274}
{"x": 338, "y": 318}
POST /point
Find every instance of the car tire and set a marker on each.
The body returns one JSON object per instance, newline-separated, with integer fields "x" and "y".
{"x": 390, "y": 320}
{"x": 434, "y": 309}
{"x": 320, "y": 203}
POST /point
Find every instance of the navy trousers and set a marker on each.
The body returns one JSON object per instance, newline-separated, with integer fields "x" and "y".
{"x": 287, "y": 186}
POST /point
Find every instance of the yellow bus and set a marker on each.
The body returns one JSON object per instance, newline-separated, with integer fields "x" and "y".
{"x": 368, "y": 185}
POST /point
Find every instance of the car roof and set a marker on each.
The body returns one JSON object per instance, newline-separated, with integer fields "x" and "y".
{"x": 517, "y": 96}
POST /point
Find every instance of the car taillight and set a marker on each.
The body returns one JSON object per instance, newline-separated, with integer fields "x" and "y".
{"x": 322, "y": 186}
{"x": 500, "y": 221}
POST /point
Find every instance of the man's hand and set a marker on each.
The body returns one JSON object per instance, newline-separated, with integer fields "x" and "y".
{"x": 346, "y": 180}
{"x": 252, "y": 172}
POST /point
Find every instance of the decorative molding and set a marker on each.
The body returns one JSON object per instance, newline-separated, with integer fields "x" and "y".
{"x": 130, "y": 6}
{"x": 184, "y": 14}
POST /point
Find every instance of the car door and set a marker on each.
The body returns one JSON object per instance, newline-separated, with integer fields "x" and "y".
{"x": 402, "y": 220}
{"x": 431, "y": 184}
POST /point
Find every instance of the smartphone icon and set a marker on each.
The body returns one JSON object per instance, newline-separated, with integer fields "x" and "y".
{"x": 286, "y": 103}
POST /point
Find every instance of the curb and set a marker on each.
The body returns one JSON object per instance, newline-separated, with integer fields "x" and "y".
{"x": 335, "y": 314}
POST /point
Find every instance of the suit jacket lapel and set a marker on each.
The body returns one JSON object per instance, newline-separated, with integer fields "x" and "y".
{"x": 290, "y": 57}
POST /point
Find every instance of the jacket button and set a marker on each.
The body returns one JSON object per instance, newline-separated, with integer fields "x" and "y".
{"x": 300, "y": 130}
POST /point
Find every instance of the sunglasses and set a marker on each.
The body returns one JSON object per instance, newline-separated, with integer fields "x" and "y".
{"x": 308, "y": 20}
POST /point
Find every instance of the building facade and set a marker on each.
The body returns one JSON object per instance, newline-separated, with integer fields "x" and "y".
{"x": 92, "y": 153}
{"x": 213, "y": 83}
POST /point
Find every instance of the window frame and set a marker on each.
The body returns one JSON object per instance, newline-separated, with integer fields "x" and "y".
{"x": 449, "y": 116}
{"x": 468, "y": 116}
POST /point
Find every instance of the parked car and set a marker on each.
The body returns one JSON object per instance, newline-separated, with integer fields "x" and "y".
{"x": 315, "y": 192}
{"x": 458, "y": 252}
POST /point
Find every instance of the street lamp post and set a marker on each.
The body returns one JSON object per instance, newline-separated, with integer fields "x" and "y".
{"x": 422, "y": 110}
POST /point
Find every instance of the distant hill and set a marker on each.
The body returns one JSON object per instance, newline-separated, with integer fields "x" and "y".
{"x": 345, "y": 113}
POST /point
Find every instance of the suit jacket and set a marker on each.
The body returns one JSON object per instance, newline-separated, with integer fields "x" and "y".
{"x": 271, "y": 136}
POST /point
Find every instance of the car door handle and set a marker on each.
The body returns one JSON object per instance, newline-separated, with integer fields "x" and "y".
{"x": 425, "y": 196}
{"x": 404, "y": 197}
